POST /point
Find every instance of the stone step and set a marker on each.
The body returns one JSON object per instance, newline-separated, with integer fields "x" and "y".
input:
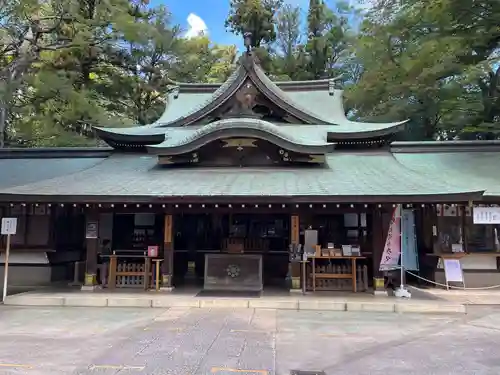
{"x": 388, "y": 305}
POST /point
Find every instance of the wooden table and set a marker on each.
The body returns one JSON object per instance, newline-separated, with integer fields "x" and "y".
{"x": 351, "y": 276}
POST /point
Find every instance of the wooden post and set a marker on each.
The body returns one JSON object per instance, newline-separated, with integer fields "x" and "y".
{"x": 156, "y": 271}
{"x": 6, "y": 269}
{"x": 168, "y": 254}
{"x": 92, "y": 244}
{"x": 113, "y": 264}
{"x": 295, "y": 240}
{"x": 147, "y": 272}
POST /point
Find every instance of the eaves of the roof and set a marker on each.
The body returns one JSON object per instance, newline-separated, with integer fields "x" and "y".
{"x": 445, "y": 146}
{"x": 55, "y": 152}
{"x": 347, "y": 176}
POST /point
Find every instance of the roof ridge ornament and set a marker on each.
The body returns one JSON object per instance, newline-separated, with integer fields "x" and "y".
{"x": 331, "y": 84}
{"x": 248, "y": 58}
{"x": 175, "y": 92}
{"x": 247, "y": 41}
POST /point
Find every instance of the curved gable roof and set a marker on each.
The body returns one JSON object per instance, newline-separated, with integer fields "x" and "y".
{"x": 315, "y": 103}
{"x": 187, "y": 141}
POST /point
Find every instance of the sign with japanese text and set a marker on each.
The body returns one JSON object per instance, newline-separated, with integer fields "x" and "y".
{"x": 9, "y": 225}
{"x": 486, "y": 215}
{"x": 92, "y": 229}
{"x": 392, "y": 248}
{"x": 295, "y": 230}
{"x": 409, "y": 241}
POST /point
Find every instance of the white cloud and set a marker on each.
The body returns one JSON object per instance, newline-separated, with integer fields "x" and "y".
{"x": 197, "y": 26}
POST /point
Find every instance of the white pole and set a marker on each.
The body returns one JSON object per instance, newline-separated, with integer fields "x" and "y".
{"x": 6, "y": 269}
{"x": 402, "y": 248}
{"x": 402, "y": 292}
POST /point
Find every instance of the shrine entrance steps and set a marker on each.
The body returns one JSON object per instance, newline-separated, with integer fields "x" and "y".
{"x": 278, "y": 299}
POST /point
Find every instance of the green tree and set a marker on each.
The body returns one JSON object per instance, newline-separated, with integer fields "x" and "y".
{"x": 327, "y": 38}
{"x": 56, "y": 57}
{"x": 289, "y": 55}
{"x": 111, "y": 73}
{"x": 288, "y": 27}
{"x": 200, "y": 60}
{"x": 432, "y": 64}
{"x": 137, "y": 72}
{"x": 476, "y": 24}
{"x": 256, "y": 17}
{"x": 316, "y": 43}
{"x": 27, "y": 30}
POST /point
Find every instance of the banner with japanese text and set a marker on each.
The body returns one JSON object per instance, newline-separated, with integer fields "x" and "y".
{"x": 392, "y": 248}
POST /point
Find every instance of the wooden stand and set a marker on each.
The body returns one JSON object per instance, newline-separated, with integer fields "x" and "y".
{"x": 315, "y": 276}
{"x": 144, "y": 273}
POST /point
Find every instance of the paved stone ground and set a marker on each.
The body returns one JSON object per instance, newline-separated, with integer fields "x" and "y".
{"x": 470, "y": 296}
{"x": 193, "y": 341}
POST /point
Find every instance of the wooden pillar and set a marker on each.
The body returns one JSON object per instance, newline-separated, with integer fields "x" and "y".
{"x": 92, "y": 245}
{"x": 113, "y": 265}
{"x": 168, "y": 253}
{"x": 295, "y": 240}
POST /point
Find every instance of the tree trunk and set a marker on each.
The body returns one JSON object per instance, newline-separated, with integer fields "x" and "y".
{"x": 3, "y": 125}
{"x": 13, "y": 72}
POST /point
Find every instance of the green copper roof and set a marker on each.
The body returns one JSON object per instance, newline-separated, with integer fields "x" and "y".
{"x": 280, "y": 98}
{"x": 469, "y": 170}
{"x": 196, "y": 107}
{"x": 181, "y": 105}
{"x": 312, "y": 103}
{"x": 353, "y": 176}
{"x": 331, "y": 105}
{"x": 21, "y": 166}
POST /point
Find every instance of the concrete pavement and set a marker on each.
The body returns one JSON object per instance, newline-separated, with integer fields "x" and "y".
{"x": 468, "y": 296}
{"x": 203, "y": 341}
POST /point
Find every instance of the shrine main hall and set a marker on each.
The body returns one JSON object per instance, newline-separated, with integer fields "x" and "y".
{"x": 234, "y": 181}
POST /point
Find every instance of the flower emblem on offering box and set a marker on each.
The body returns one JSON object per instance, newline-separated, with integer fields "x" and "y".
{"x": 233, "y": 270}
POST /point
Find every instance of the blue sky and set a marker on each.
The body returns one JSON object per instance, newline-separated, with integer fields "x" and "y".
{"x": 210, "y": 14}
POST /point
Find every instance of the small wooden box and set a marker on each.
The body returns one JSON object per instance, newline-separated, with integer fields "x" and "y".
{"x": 318, "y": 251}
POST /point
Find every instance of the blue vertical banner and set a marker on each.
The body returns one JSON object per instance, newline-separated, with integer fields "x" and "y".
{"x": 409, "y": 240}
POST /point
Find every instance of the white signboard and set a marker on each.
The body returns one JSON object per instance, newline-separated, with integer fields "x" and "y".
{"x": 486, "y": 215}
{"x": 453, "y": 270}
{"x": 9, "y": 225}
{"x": 310, "y": 241}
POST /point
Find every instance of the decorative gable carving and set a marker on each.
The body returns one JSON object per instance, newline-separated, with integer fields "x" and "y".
{"x": 242, "y": 152}
{"x": 246, "y": 98}
{"x": 239, "y": 143}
